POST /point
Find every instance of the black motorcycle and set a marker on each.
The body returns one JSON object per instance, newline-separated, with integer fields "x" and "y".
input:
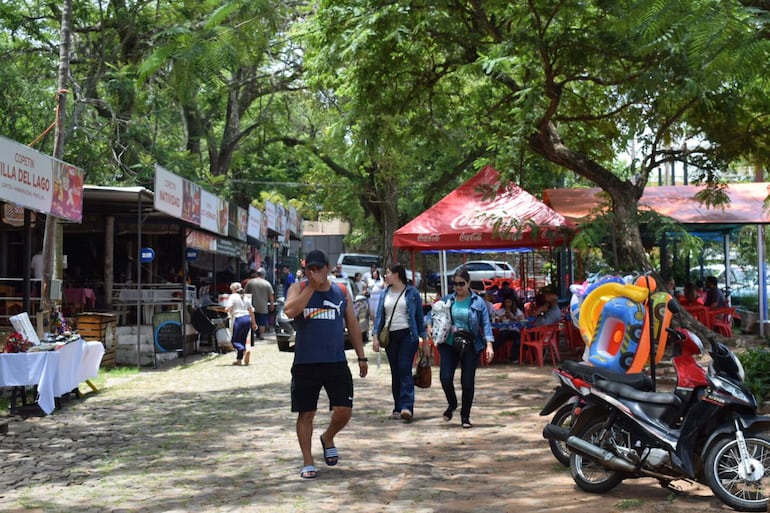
{"x": 713, "y": 437}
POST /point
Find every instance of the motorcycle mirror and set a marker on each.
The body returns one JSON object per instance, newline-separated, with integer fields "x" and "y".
{"x": 674, "y": 306}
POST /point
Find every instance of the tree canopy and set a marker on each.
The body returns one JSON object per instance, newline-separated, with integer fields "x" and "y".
{"x": 374, "y": 109}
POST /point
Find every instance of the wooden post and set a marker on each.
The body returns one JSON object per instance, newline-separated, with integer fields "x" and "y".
{"x": 109, "y": 257}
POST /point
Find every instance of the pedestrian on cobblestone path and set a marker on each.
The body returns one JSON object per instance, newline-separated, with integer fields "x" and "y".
{"x": 318, "y": 307}
{"x": 242, "y": 314}
{"x": 399, "y": 312}
{"x": 263, "y": 301}
{"x": 470, "y": 317}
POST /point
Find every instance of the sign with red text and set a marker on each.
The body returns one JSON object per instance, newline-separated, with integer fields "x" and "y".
{"x": 169, "y": 193}
{"x": 38, "y": 182}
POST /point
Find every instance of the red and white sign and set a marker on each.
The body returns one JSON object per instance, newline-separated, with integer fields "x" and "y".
{"x": 36, "y": 181}
{"x": 169, "y": 192}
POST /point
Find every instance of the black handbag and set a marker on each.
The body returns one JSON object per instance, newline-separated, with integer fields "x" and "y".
{"x": 463, "y": 341}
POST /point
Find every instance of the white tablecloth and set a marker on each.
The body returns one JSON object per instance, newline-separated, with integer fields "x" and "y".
{"x": 54, "y": 372}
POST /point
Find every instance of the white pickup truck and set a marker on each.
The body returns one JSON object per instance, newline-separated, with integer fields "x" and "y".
{"x": 353, "y": 263}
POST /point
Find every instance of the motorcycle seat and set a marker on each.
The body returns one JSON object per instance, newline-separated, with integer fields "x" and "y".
{"x": 591, "y": 374}
{"x": 627, "y": 392}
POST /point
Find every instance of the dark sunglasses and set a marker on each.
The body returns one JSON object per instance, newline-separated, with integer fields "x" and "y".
{"x": 458, "y": 283}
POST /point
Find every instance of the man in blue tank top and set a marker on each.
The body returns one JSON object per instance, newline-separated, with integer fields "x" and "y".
{"x": 320, "y": 310}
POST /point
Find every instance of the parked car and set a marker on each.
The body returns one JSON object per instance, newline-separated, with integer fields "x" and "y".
{"x": 740, "y": 278}
{"x": 483, "y": 270}
{"x": 747, "y": 297}
{"x": 353, "y": 263}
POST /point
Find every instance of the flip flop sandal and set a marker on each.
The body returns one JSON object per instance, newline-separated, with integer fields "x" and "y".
{"x": 330, "y": 454}
{"x": 309, "y": 472}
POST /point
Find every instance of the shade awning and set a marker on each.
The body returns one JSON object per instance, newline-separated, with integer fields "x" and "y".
{"x": 484, "y": 212}
{"x": 675, "y": 201}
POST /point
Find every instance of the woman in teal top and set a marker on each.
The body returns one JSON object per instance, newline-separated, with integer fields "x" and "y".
{"x": 469, "y": 315}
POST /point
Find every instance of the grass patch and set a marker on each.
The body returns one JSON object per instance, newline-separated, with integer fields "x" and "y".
{"x": 629, "y": 504}
{"x": 113, "y": 373}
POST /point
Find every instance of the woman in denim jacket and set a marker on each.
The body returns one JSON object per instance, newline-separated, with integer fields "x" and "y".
{"x": 400, "y": 312}
{"x": 469, "y": 314}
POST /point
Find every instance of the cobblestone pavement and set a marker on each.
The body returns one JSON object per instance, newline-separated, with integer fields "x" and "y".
{"x": 202, "y": 435}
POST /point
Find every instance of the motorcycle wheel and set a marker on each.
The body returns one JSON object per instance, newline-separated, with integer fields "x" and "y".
{"x": 562, "y": 418}
{"x": 589, "y": 475}
{"x": 722, "y": 471}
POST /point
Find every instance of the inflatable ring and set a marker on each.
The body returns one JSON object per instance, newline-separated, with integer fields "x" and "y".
{"x": 593, "y": 303}
{"x": 621, "y": 342}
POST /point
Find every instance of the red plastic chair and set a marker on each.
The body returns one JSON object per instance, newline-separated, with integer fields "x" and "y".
{"x": 572, "y": 336}
{"x": 700, "y": 313}
{"x": 535, "y": 342}
{"x": 721, "y": 320}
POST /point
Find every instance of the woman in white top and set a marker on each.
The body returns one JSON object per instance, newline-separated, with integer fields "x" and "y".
{"x": 399, "y": 312}
{"x": 241, "y": 312}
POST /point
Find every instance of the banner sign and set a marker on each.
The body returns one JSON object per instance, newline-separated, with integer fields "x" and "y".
{"x": 38, "y": 182}
{"x": 169, "y": 195}
{"x": 183, "y": 199}
{"x": 255, "y": 223}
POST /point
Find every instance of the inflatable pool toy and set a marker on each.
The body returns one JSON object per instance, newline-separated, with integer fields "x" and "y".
{"x": 621, "y": 341}
{"x": 592, "y": 305}
{"x": 581, "y": 291}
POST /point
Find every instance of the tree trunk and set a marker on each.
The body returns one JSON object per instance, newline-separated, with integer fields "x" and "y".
{"x": 52, "y": 242}
{"x": 627, "y": 249}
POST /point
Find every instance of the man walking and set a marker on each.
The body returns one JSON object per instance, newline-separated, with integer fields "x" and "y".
{"x": 318, "y": 307}
{"x": 262, "y": 299}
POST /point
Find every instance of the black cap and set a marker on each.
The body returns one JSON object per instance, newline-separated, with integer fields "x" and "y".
{"x": 317, "y": 258}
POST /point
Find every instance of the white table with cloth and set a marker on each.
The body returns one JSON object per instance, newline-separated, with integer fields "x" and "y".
{"x": 55, "y": 373}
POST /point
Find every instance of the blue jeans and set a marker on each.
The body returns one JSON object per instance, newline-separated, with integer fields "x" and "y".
{"x": 401, "y": 350}
{"x": 241, "y": 327}
{"x": 450, "y": 359}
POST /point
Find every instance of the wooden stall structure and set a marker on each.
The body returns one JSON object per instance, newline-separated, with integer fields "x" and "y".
{"x": 100, "y": 327}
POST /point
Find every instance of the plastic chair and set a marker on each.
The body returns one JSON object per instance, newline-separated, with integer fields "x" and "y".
{"x": 700, "y": 313}
{"x": 535, "y": 341}
{"x": 572, "y": 336}
{"x": 721, "y": 320}
{"x": 504, "y": 351}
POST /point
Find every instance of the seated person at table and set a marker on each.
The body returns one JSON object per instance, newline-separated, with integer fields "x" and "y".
{"x": 509, "y": 311}
{"x": 489, "y": 298}
{"x": 690, "y": 296}
{"x": 714, "y": 296}
{"x": 547, "y": 309}
{"x": 504, "y": 292}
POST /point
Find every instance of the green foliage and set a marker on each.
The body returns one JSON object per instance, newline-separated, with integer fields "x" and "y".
{"x": 376, "y": 110}
{"x": 756, "y": 363}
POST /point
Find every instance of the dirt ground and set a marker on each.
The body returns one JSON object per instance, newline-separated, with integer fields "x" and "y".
{"x": 205, "y": 436}
{"x": 523, "y": 461}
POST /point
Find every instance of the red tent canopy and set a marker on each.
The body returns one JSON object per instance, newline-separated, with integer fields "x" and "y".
{"x": 484, "y": 213}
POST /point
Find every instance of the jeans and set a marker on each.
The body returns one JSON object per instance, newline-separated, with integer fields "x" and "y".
{"x": 241, "y": 327}
{"x": 401, "y": 350}
{"x": 450, "y": 359}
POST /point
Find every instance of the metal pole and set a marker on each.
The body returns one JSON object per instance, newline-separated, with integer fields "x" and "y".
{"x": 139, "y": 283}
{"x": 762, "y": 280}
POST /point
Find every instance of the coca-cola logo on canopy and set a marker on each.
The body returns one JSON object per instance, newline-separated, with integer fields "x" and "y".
{"x": 487, "y": 216}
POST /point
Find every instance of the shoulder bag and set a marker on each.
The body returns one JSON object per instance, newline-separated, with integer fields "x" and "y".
{"x": 384, "y": 336}
{"x": 422, "y": 373}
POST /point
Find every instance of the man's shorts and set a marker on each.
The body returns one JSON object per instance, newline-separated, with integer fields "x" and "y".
{"x": 261, "y": 319}
{"x": 308, "y": 379}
